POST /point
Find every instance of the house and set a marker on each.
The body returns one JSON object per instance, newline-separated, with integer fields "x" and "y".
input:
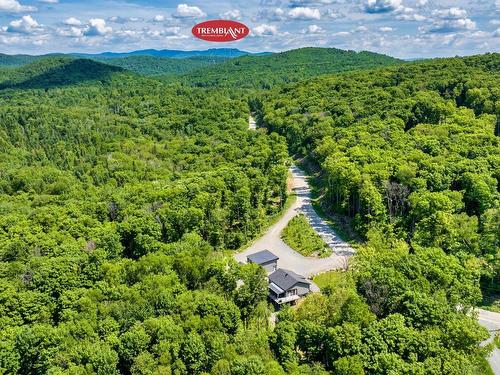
{"x": 286, "y": 286}
{"x": 264, "y": 258}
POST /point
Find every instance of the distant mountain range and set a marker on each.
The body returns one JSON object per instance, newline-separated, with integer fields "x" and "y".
{"x": 176, "y": 54}
{"x": 208, "y": 68}
{"x": 226, "y": 53}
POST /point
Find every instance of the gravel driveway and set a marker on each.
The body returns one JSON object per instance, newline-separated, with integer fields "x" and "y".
{"x": 289, "y": 258}
{"x": 308, "y": 266}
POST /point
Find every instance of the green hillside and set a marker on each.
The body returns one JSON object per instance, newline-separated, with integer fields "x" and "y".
{"x": 410, "y": 156}
{"x": 117, "y": 204}
{"x": 144, "y": 65}
{"x": 56, "y": 72}
{"x": 123, "y": 199}
{"x": 16, "y": 60}
{"x": 155, "y": 66}
{"x": 290, "y": 66}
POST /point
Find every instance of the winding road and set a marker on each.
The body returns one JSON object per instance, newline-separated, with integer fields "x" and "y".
{"x": 289, "y": 258}
{"x": 310, "y": 266}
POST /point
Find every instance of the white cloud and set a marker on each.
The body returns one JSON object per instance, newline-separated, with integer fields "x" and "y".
{"x": 452, "y": 25}
{"x": 385, "y": 29}
{"x": 234, "y": 14}
{"x": 495, "y": 22}
{"x": 72, "y": 21}
{"x": 15, "y": 6}
{"x": 408, "y": 14}
{"x": 304, "y": 13}
{"x": 331, "y": 13}
{"x": 422, "y": 3}
{"x": 341, "y": 34}
{"x": 270, "y": 3}
{"x": 24, "y": 25}
{"x": 381, "y": 6}
{"x": 167, "y": 32}
{"x": 187, "y": 11}
{"x": 313, "y": 29}
{"x": 411, "y": 17}
{"x": 123, "y": 20}
{"x": 312, "y": 2}
{"x": 159, "y": 18}
{"x": 127, "y": 36}
{"x": 49, "y": 1}
{"x": 496, "y": 34}
{"x": 272, "y": 14}
{"x": 451, "y": 13}
{"x": 97, "y": 27}
{"x": 72, "y": 31}
{"x": 265, "y": 30}
{"x": 361, "y": 29}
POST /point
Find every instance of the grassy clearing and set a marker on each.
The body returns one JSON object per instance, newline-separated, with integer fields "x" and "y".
{"x": 301, "y": 237}
{"x": 334, "y": 280}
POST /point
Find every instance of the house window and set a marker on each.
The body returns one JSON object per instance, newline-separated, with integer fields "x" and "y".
{"x": 291, "y": 292}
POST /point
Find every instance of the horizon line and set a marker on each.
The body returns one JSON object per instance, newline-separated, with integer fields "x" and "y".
{"x": 237, "y": 49}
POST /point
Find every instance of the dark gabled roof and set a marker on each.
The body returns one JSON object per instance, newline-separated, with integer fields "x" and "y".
{"x": 262, "y": 257}
{"x": 285, "y": 279}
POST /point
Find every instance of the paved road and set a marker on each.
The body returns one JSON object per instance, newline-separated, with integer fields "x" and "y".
{"x": 491, "y": 321}
{"x": 289, "y": 258}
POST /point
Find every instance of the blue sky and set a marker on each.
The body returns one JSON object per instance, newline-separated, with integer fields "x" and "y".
{"x": 401, "y": 28}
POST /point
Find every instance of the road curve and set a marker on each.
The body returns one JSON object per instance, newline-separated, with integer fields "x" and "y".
{"x": 308, "y": 266}
{"x": 491, "y": 321}
{"x": 289, "y": 258}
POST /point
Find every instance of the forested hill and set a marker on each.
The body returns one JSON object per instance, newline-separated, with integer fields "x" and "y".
{"x": 57, "y": 72}
{"x": 389, "y": 140}
{"x": 177, "y": 54}
{"x": 155, "y": 66}
{"x": 213, "y": 53}
{"x": 143, "y": 65}
{"x": 410, "y": 156}
{"x": 123, "y": 198}
{"x": 266, "y": 71}
{"x": 117, "y": 203}
{"x": 247, "y": 71}
{"x": 16, "y": 60}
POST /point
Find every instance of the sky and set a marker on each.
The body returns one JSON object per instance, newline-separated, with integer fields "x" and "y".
{"x": 400, "y": 28}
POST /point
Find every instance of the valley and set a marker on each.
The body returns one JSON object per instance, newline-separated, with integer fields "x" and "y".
{"x": 128, "y": 185}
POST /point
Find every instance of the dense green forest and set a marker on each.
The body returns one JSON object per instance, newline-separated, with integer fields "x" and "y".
{"x": 263, "y": 72}
{"x": 123, "y": 198}
{"x": 118, "y": 197}
{"x": 154, "y": 66}
{"x": 411, "y": 155}
{"x": 143, "y": 65}
{"x": 16, "y": 60}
